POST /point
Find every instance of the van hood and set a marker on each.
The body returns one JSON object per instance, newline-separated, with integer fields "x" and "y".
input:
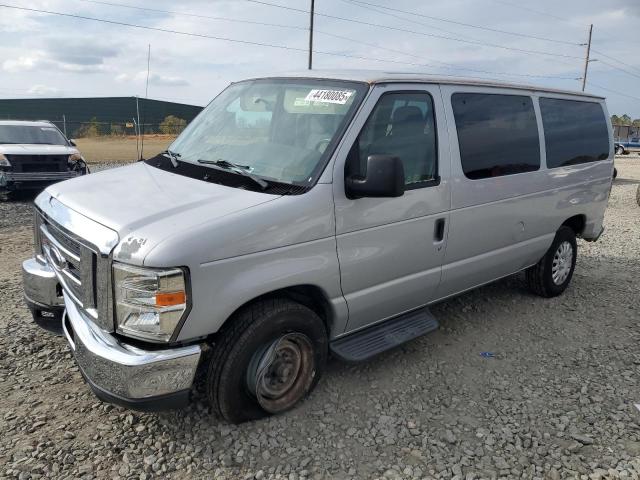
{"x": 36, "y": 149}
{"x": 144, "y": 203}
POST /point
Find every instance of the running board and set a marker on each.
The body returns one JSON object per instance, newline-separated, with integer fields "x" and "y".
{"x": 365, "y": 344}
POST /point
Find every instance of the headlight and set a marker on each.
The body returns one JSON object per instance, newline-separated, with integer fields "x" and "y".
{"x": 74, "y": 157}
{"x": 4, "y": 161}
{"x": 149, "y": 303}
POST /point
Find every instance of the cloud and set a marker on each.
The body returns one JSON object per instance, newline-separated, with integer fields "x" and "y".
{"x": 81, "y": 52}
{"x": 41, "y": 62}
{"x": 43, "y": 90}
{"x": 154, "y": 79}
{"x": 20, "y": 64}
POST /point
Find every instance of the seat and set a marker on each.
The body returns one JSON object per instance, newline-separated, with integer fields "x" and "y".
{"x": 407, "y": 139}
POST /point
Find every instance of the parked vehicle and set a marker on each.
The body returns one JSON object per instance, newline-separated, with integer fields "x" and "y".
{"x": 625, "y": 148}
{"x": 36, "y": 154}
{"x": 310, "y": 215}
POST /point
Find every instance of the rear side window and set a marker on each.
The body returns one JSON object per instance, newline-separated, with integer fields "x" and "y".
{"x": 498, "y": 134}
{"x": 575, "y": 132}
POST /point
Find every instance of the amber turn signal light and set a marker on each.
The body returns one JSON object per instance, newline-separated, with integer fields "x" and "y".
{"x": 169, "y": 299}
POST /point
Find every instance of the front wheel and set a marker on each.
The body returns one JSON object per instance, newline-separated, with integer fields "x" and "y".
{"x": 270, "y": 356}
{"x": 552, "y": 274}
{"x": 620, "y": 150}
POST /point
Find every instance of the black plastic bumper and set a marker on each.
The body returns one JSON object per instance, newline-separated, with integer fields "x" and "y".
{"x": 46, "y": 316}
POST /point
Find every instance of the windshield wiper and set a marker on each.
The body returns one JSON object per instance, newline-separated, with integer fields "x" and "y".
{"x": 173, "y": 156}
{"x": 236, "y": 168}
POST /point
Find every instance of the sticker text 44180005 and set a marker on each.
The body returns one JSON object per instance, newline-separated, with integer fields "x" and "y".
{"x": 329, "y": 96}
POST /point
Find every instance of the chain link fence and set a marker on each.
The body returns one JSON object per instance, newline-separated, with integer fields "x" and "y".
{"x": 171, "y": 125}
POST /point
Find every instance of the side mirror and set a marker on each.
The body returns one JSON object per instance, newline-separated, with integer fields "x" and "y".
{"x": 384, "y": 178}
{"x": 72, "y": 143}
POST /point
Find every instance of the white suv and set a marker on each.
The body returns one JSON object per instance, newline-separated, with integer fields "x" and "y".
{"x": 36, "y": 154}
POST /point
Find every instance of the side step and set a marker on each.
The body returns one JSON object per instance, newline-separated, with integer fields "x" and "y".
{"x": 364, "y": 344}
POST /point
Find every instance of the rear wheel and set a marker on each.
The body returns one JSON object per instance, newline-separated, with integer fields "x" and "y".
{"x": 552, "y": 274}
{"x": 266, "y": 360}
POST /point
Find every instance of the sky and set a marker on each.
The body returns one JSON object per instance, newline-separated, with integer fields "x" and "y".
{"x": 44, "y": 55}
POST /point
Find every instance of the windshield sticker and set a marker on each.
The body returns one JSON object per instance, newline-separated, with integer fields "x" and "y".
{"x": 329, "y": 96}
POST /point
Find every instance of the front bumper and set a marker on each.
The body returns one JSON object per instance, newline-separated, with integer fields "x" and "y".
{"x": 14, "y": 180}
{"x": 116, "y": 371}
{"x": 43, "y": 294}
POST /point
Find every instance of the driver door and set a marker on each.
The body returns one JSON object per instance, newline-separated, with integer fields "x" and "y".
{"x": 391, "y": 249}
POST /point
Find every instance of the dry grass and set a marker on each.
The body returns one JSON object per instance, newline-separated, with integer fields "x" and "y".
{"x": 120, "y": 149}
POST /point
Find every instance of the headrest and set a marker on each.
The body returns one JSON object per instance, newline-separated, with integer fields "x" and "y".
{"x": 407, "y": 114}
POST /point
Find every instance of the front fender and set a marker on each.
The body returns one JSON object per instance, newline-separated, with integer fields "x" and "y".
{"x": 219, "y": 288}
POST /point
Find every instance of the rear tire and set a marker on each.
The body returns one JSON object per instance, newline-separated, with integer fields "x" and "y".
{"x": 552, "y": 274}
{"x": 270, "y": 355}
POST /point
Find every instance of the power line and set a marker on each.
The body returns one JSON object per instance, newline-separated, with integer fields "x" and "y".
{"x": 411, "y": 20}
{"x": 432, "y": 35}
{"x": 539, "y": 12}
{"x": 613, "y": 91}
{"x": 455, "y": 22}
{"x": 197, "y": 35}
{"x": 209, "y": 17}
{"x": 614, "y": 59}
{"x": 157, "y": 29}
{"x": 192, "y": 15}
{"x": 618, "y": 68}
{"x": 447, "y": 65}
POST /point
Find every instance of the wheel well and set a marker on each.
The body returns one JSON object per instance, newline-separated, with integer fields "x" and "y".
{"x": 308, "y": 295}
{"x": 576, "y": 223}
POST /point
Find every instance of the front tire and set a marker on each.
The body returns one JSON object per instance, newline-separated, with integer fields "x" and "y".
{"x": 552, "y": 274}
{"x": 270, "y": 355}
{"x": 620, "y": 151}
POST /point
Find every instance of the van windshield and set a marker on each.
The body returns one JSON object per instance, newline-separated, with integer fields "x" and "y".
{"x": 276, "y": 129}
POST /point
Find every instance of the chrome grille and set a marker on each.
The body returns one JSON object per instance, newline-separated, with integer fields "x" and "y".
{"x": 73, "y": 262}
{"x": 90, "y": 245}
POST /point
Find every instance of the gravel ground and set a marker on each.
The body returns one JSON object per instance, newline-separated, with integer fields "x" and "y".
{"x": 556, "y": 399}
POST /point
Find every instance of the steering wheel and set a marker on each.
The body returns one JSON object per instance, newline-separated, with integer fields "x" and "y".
{"x": 322, "y": 145}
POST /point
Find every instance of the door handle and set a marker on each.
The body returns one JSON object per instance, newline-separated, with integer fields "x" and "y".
{"x": 438, "y": 230}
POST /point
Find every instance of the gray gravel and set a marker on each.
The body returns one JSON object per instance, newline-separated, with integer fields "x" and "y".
{"x": 555, "y": 401}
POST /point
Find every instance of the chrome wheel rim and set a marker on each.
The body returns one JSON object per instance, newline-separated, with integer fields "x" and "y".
{"x": 562, "y": 262}
{"x": 282, "y": 373}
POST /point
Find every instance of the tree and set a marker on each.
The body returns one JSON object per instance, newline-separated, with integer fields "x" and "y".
{"x": 172, "y": 125}
{"x": 90, "y": 129}
{"x": 625, "y": 120}
{"x": 636, "y": 122}
{"x": 615, "y": 120}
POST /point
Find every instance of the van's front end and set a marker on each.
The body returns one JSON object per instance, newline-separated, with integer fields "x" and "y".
{"x": 141, "y": 266}
{"x": 74, "y": 283}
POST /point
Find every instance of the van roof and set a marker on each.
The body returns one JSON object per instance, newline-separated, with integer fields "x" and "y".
{"x": 378, "y": 76}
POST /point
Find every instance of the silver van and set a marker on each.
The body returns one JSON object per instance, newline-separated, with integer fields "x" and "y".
{"x": 312, "y": 215}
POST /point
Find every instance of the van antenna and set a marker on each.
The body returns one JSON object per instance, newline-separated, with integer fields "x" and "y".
{"x": 146, "y": 97}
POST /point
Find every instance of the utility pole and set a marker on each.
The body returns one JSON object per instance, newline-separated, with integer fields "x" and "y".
{"x": 311, "y": 35}
{"x": 64, "y": 125}
{"x": 137, "y": 125}
{"x": 586, "y": 60}
{"x": 144, "y": 111}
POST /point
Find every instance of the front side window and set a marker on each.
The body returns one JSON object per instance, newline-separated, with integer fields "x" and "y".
{"x": 31, "y": 135}
{"x": 402, "y": 125}
{"x": 497, "y": 134}
{"x": 281, "y": 130}
{"x": 574, "y": 132}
